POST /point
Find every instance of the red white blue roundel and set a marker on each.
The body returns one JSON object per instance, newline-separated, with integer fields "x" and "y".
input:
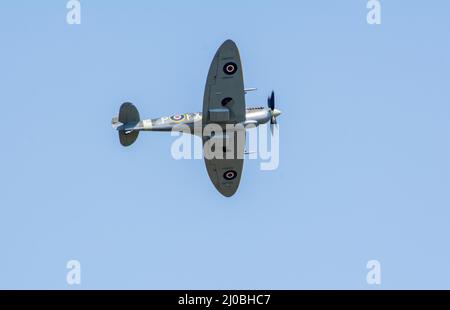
{"x": 230, "y": 175}
{"x": 230, "y": 68}
{"x": 177, "y": 118}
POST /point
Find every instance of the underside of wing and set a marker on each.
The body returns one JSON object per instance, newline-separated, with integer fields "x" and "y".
{"x": 225, "y": 173}
{"x": 224, "y": 104}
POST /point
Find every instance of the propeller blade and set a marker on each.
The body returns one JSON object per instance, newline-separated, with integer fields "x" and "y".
{"x": 271, "y": 105}
{"x": 272, "y": 126}
{"x": 271, "y": 101}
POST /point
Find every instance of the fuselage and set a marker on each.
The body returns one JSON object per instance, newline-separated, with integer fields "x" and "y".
{"x": 254, "y": 116}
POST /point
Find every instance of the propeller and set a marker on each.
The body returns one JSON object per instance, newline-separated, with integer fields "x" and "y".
{"x": 271, "y": 101}
{"x": 271, "y": 105}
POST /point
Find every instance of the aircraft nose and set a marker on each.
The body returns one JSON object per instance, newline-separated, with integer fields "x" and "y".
{"x": 276, "y": 112}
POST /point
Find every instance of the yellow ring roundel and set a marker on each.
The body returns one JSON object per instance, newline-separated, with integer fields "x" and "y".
{"x": 177, "y": 118}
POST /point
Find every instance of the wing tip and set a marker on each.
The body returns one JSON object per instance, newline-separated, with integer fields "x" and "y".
{"x": 229, "y": 43}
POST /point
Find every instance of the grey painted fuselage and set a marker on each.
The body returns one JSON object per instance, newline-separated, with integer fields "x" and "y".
{"x": 253, "y": 116}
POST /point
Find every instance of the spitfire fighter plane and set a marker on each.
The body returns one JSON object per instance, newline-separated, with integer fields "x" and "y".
{"x": 223, "y": 104}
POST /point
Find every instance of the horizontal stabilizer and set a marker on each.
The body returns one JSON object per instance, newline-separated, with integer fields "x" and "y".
{"x": 127, "y": 139}
{"x": 128, "y": 113}
{"x": 128, "y": 118}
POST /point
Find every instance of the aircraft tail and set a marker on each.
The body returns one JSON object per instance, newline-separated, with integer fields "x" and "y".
{"x": 128, "y": 118}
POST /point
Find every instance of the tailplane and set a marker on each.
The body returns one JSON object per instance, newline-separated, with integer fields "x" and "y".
{"x": 128, "y": 118}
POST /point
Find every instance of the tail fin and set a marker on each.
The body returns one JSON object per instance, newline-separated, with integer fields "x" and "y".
{"x": 128, "y": 118}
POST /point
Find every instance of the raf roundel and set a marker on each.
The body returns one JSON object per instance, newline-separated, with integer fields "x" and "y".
{"x": 230, "y": 68}
{"x": 177, "y": 118}
{"x": 230, "y": 175}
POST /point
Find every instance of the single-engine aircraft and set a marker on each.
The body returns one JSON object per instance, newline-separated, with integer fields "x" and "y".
{"x": 223, "y": 104}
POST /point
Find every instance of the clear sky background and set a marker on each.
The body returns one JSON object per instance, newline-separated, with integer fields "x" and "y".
{"x": 364, "y": 171}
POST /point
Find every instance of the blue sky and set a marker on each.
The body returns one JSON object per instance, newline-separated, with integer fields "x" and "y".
{"x": 364, "y": 171}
